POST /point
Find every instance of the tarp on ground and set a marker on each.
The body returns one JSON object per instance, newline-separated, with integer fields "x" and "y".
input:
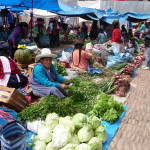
{"x": 51, "y": 5}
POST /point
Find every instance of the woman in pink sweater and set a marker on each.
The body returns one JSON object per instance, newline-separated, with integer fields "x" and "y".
{"x": 80, "y": 57}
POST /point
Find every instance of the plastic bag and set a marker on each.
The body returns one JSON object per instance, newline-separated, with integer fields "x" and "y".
{"x": 89, "y": 46}
{"x": 66, "y": 56}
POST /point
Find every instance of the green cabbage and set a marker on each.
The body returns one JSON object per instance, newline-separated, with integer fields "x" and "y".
{"x": 70, "y": 147}
{"x": 39, "y": 145}
{"x": 52, "y": 120}
{"x": 95, "y": 143}
{"x": 100, "y": 133}
{"x": 61, "y": 136}
{"x": 50, "y": 146}
{"x": 83, "y": 146}
{"x": 79, "y": 120}
{"x": 85, "y": 133}
{"x": 45, "y": 134}
{"x": 74, "y": 139}
{"x": 67, "y": 122}
{"x": 94, "y": 121}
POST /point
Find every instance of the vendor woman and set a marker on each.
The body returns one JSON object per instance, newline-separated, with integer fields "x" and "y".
{"x": 18, "y": 33}
{"x": 116, "y": 38}
{"x": 80, "y": 57}
{"x": 45, "y": 80}
{"x": 10, "y": 74}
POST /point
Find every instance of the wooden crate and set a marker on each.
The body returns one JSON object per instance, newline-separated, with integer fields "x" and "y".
{"x": 13, "y": 97}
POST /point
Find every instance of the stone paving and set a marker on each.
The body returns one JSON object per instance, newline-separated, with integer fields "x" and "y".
{"x": 134, "y": 132}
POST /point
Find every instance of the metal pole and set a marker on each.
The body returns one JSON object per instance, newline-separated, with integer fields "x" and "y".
{"x": 31, "y": 15}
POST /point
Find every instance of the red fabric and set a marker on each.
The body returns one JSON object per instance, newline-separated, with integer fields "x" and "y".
{"x": 14, "y": 68}
{"x": 54, "y": 32}
{"x": 116, "y": 36}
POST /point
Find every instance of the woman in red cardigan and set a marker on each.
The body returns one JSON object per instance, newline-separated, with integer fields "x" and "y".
{"x": 10, "y": 74}
{"x": 116, "y": 36}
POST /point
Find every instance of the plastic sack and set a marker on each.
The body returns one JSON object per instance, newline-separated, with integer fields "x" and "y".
{"x": 32, "y": 48}
{"x": 66, "y": 56}
{"x": 13, "y": 137}
{"x": 70, "y": 74}
{"x": 93, "y": 70}
{"x": 89, "y": 46}
{"x": 34, "y": 125}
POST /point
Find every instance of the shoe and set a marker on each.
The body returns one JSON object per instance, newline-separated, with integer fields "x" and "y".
{"x": 146, "y": 68}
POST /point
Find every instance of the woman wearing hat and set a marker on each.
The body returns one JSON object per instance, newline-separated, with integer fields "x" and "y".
{"x": 45, "y": 80}
{"x": 80, "y": 57}
{"x": 116, "y": 36}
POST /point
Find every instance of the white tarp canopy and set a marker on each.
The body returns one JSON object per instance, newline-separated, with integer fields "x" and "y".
{"x": 37, "y": 13}
{"x": 40, "y": 13}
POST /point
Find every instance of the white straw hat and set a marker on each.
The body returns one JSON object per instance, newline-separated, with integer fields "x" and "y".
{"x": 45, "y": 52}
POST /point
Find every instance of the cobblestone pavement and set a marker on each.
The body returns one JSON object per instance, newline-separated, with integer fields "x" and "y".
{"x": 134, "y": 132}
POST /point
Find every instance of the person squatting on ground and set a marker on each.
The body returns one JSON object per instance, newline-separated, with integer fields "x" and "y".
{"x": 80, "y": 57}
{"x": 10, "y": 74}
{"x": 45, "y": 80}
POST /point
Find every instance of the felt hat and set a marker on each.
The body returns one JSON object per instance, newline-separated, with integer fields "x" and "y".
{"x": 45, "y": 52}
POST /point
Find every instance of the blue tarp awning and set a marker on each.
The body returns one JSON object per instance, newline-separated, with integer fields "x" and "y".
{"x": 81, "y": 11}
{"x": 126, "y": 16}
{"x": 50, "y": 5}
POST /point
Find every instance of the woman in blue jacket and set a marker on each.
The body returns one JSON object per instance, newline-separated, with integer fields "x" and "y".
{"x": 18, "y": 33}
{"x": 45, "y": 80}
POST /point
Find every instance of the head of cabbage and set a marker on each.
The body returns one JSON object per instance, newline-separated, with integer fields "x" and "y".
{"x": 94, "y": 121}
{"x": 61, "y": 136}
{"x": 49, "y": 146}
{"x": 52, "y": 120}
{"x": 38, "y": 145}
{"x": 45, "y": 134}
{"x": 95, "y": 143}
{"x": 85, "y": 133}
{"x": 83, "y": 146}
{"x": 67, "y": 122}
{"x": 74, "y": 139}
{"x": 79, "y": 120}
{"x": 100, "y": 133}
{"x": 70, "y": 147}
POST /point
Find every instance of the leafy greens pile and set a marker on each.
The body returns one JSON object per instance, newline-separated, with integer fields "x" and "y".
{"x": 81, "y": 96}
{"x": 107, "y": 108}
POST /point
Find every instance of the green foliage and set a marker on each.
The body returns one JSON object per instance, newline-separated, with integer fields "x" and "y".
{"x": 118, "y": 67}
{"x": 81, "y": 97}
{"x": 107, "y": 108}
{"x": 60, "y": 69}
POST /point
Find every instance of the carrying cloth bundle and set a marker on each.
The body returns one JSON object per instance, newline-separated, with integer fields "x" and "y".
{"x": 13, "y": 136}
{"x": 5, "y": 117}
